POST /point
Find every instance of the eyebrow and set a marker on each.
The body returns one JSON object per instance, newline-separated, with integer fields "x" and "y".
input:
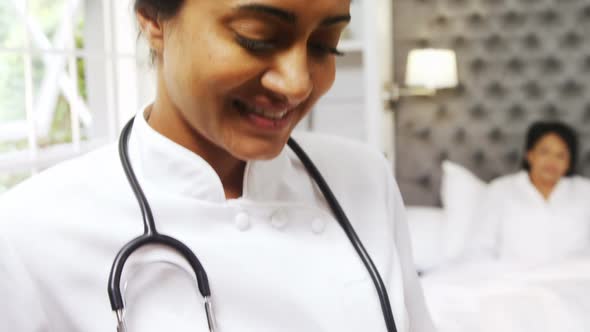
{"x": 288, "y": 16}
{"x": 336, "y": 19}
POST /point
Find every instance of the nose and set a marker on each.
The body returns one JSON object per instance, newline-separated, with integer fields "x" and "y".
{"x": 290, "y": 76}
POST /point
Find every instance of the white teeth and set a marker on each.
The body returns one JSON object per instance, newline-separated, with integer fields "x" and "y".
{"x": 270, "y": 115}
{"x": 264, "y": 113}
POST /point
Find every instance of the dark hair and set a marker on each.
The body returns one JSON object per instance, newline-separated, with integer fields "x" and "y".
{"x": 539, "y": 129}
{"x": 159, "y": 8}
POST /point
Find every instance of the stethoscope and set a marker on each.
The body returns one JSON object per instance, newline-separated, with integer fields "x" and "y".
{"x": 151, "y": 236}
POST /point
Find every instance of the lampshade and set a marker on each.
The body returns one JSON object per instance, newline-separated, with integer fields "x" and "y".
{"x": 431, "y": 68}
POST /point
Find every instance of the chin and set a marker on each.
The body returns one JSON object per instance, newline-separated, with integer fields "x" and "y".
{"x": 552, "y": 178}
{"x": 258, "y": 149}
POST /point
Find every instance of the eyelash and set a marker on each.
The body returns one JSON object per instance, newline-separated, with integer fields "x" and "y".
{"x": 326, "y": 49}
{"x": 255, "y": 45}
{"x": 263, "y": 45}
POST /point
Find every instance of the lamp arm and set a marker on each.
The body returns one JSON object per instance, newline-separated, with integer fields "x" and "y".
{"x": 393, "y": 92}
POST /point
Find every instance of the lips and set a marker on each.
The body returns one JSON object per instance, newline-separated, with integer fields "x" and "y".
{"x": 267, "y": 120}
{"x": 551, "y": 170}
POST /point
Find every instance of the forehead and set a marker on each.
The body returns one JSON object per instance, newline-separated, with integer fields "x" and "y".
{"x": 335, "y": 4}
{"x": 552, "y": 139}
{"x": 304, "y": 10}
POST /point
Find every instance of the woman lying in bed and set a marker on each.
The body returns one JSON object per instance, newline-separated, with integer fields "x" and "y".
{"x": 541, "y": 213}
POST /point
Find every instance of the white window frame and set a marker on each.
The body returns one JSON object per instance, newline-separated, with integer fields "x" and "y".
{"x": 112, "y": 75}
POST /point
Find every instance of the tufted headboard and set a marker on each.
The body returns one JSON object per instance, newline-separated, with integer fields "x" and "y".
{"x": 519, "y": 61}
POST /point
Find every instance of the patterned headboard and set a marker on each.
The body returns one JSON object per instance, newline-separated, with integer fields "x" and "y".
{"x": 519, "y": 61}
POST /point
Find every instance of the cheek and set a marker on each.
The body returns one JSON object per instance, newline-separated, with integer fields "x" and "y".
{"x": 225, "y": 69}
{"x": 323, "y": 79}
{"x": 181, "y": 73}
{"x": 209, "y": 67}
{"x": 538, "y": 162}
{"x": 564, "y": 164}
{"x": 531, "y": 158}
{"x": 326, "y": 77}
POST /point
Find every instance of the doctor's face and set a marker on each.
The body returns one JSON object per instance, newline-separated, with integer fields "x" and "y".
{"x": 242, "y": 73}
{"x": 549, "y": 159}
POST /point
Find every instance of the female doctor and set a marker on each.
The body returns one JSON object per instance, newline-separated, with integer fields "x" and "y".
{"x": 234, "y": 77}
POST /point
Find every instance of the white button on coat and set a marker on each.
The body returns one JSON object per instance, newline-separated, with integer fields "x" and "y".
{"x": 290, "y": 281}
{"x": 318, "y": 225}
{"x": 242, "y": 221}
{"x": 279, "y": 219}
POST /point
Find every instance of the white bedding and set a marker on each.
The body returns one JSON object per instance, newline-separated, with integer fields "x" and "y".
{"x": 495, "y": 296}
{"x": 502, "y": 297}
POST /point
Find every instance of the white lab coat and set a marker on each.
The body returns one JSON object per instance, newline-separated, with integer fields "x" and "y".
{"x": 276, "y": 258}
{"x": 516, "y": 223}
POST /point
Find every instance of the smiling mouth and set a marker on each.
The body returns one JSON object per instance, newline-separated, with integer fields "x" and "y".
{"x": 270, "y": 115}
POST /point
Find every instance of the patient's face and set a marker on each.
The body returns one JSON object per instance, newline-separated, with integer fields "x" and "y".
{"x": 549, "y": 158}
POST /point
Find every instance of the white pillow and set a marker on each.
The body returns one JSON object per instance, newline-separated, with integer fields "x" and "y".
{"x": 461, "y": 195}
{"x": 426, "y": 228}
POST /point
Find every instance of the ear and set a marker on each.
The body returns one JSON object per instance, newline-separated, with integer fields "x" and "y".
{"x": 151, "y": 28}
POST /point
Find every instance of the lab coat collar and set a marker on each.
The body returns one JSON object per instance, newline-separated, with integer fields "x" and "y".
{"x": 168, "y": 166}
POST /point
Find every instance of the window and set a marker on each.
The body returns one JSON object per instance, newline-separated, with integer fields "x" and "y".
{"x": 69, "y": 80}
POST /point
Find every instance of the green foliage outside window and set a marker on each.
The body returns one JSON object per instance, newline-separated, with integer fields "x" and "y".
{"x": 7, "y": 181}
{"x": 47, "y": 13}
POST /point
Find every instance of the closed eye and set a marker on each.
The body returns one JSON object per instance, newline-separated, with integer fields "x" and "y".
{"x": 322, "y": 50}
{"x": 259, "y": 46}
{"x": 256, "y": 45}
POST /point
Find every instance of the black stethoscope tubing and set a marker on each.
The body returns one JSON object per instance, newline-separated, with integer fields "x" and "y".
{"x": 151, "y": 236}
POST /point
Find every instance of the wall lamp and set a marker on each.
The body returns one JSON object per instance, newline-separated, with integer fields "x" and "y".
{"x": 427, "y": 70}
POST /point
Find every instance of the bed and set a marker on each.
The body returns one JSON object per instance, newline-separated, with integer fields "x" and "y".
{"x": 487, "y": 295}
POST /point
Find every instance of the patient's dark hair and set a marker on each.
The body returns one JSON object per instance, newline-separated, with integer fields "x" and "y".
{"x": 159, "y": 8}
{"x": 539, "y": 129}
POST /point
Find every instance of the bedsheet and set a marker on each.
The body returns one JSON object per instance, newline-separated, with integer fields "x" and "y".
{"x": 511, "y": 297}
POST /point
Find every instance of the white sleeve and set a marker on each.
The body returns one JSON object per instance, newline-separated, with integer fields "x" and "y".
{"x": 20, "y": 307}
{"x": 419, "y": 317}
